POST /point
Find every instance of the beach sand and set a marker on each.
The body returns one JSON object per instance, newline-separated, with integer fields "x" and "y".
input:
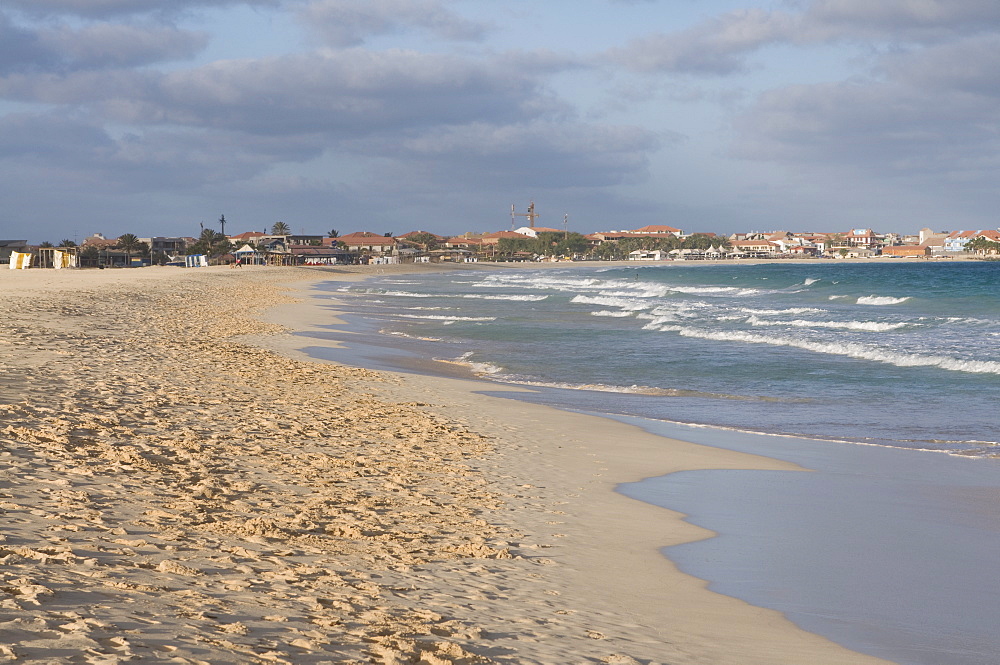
{"x": 180, "y": 484}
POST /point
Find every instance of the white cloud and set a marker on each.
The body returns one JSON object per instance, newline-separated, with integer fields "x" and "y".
{"x": 343, "y": 23}
{"x": 714, "y": 47}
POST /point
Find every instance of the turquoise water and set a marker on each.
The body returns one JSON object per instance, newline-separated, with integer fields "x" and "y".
{"x": 900, "y": 354}
{"x": 887, "y": 548}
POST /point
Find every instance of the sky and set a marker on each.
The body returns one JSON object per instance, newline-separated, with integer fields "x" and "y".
{"x": 155, "y": 117}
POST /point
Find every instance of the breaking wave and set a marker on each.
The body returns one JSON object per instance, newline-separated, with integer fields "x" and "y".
{"x": 607, "y": 312}
{"x": 446, "y": 317}
{"x": 611, "y": 301}
{"x": 482, "y": 369}
{"x": 524, "y": 298}
{"x": 849, "y": 349}
{"x": 780, "y": 312}
{"x": 881, "y": 300}
{"x": 475, "y": 296}
{"x": 868, "y": 326}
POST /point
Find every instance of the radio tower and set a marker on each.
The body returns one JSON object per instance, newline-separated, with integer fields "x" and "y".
{"x": 531, "y": 215}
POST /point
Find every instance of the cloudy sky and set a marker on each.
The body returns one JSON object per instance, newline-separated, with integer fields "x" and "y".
{"x": 154, "y": 116}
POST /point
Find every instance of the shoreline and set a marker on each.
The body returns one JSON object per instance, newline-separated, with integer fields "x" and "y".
{"x": 483, "y": 533}
{"x": 644, "y": 452}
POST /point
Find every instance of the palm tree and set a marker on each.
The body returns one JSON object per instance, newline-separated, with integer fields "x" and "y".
{"x": 697, "y": 241}
{"x": 46, "y": 244}
{"x": 128, "y": 243}
{"x": 210, "y": 242}
{"x": 333, "y": 233}
{"x": 983, "y": 245}
{"x": 280, "y": 229}
{"x": 67, "y": 243}
{"x": 722, "y": 243}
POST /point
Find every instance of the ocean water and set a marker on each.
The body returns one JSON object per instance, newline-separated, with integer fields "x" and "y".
{"x": 883, "y": 378}
{"x": 899, "y": 354}
{"x": 888, "y": 552}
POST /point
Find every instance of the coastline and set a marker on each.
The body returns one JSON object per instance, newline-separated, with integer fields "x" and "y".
{"x": 462, "y": 528}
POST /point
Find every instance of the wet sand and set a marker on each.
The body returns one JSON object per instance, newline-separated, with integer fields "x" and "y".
{"x": 181, "y": 484}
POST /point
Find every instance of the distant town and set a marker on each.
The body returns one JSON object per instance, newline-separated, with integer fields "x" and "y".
{"x": 279, "y": 246}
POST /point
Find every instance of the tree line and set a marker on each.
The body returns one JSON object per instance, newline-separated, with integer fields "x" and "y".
{"x": 575, "y": 244}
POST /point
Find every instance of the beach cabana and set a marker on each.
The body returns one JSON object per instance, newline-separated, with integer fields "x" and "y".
{"x": 195, "y": 261}
{"x": 249, "y": 256}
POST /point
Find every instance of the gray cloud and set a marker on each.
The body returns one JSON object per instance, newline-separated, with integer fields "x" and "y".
{"x": 966, "y": 66}
{"x": 103, "y": 9}
{"x": 338, "y": 93}
{"x": 110, "y": 45}
{"x": 535, "y": 154}
{"x": 35, "y": 50}
{"x": 343, "y": 23}
{"x": 934, "y": 111}
{"x": 22, "y": 50}
{"x": 721, "y": 45}
{"x": 163, "y": 160}
{"x": 891, "y": 20}
{"x": 342, "y": 93}
{"x": 49, "y": 138}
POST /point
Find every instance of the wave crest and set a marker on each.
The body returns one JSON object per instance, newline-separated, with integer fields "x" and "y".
{"x": 849, "y": 349}
{"x": 881, "y": 300}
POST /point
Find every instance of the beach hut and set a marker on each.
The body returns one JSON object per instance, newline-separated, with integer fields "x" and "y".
{"x": 195, "y": 261}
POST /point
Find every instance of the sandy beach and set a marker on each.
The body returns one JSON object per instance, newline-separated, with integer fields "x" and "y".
{"x": 181, "y": 484}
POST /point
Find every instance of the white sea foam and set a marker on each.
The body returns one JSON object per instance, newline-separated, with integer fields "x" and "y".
{"x": 869, "y": 326}
{"x": 849, "y": 349}
{"x": 611, "y": 287}
{"x": 649, "y": 292}
{"x": 549, "y": 281}
{"x": 446, "y": 317}
{"x": 476, "y": 367}
{"x": 810, "y": 281}
{"x": 611, "y": 301}
{"x": 607, "y": 312}
{"x": 672, "y": 313}
{"x": 524, "y": 298}
{"x": 838, "y": 297}
{"x": 881, "y": 300}
{"x": 684, "y": 308}
{"x": 619, "y": 287}
{"x": 629, "y": 390}
{"x": 781, "y": 312}
{"x": 404, "y": 294}
{"x": 396, "y": 333}
{"x": 714, "y": 290}
{"x": 409, "y": 294}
